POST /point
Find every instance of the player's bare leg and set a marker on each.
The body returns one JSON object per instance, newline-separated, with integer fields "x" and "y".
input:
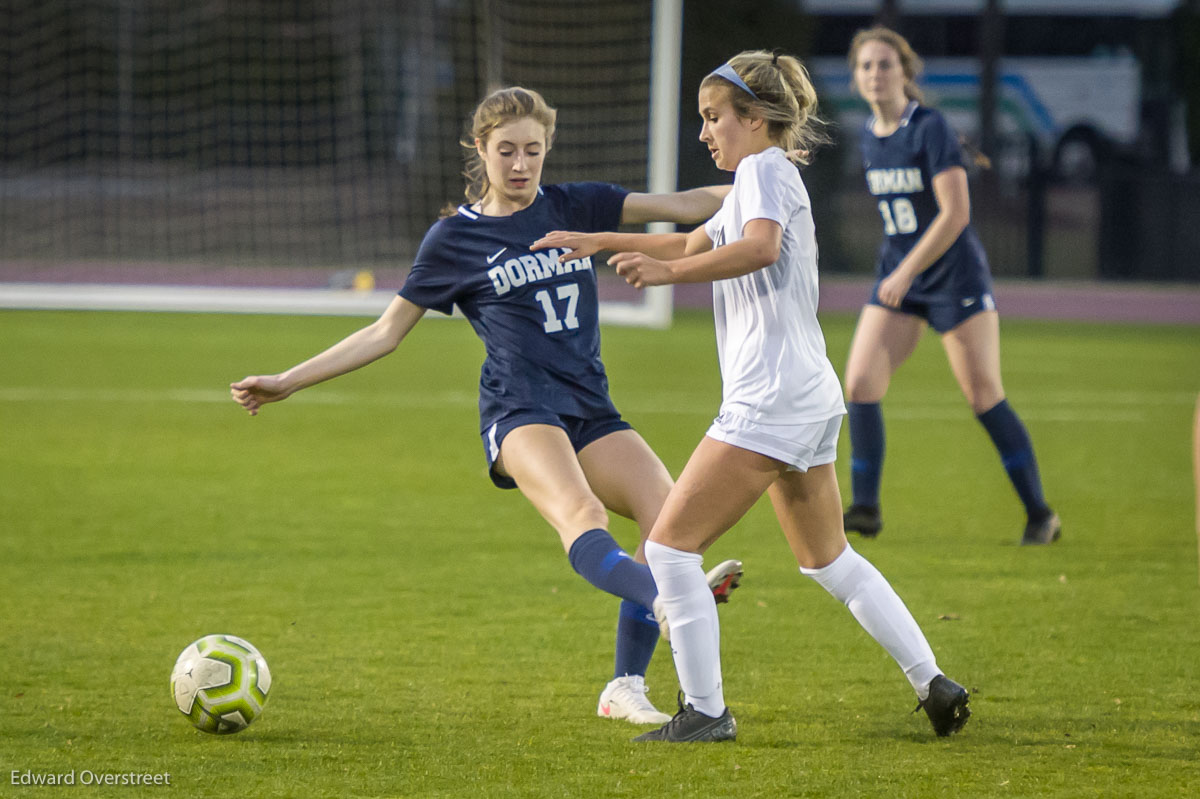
{"x": 883, "y": 340}
{"x": 973, "y": 349}
{"x": 808, "y": 506}
{"x": 542, "y": 462}
{"x": 630, "y": 479}
{"x": 720, "y": 483}
{"x": 632, "y": 482}
{"x": 540, "y": 458}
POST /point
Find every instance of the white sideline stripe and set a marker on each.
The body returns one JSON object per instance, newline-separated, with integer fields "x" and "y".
{"x": 317, "y": 302}
{"x": 195, "y": 299}
{"x": 1033, "y": 415}
{"x": 217, "y": 396}
{"x": 1068, "y": 397}
{"x": 464, "y": 399}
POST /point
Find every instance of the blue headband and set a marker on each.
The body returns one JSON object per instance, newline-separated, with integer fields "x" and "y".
{"x": 725, "y": 71}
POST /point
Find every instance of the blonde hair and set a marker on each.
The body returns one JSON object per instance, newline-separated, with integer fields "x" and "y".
{"x": 785, "y": 99}
{"x": 496, "y": 110}
{"x": 910, "y": 62}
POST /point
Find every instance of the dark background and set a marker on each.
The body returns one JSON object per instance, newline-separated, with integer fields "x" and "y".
{"x": 308, "y": 134}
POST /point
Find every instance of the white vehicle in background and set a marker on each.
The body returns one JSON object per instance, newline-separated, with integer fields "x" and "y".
{"x": 1078, "y": 102}
{"x": 1077, "y": 109}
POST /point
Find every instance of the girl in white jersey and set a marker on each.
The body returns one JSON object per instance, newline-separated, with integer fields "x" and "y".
{"x": 782, "y": 403}
{"x": 546, "y": 420}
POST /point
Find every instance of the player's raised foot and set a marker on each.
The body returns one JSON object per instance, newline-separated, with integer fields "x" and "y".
{"x": 865, "y": 520}
{"x": 1046, "y": 530}
{"x": 946, "y": 705}
{"x": 691, "y": 726}
{"x": 722, "y": 579}
{"x": 625, "y": 698}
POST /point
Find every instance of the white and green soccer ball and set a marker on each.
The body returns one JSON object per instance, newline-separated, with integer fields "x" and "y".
{"x": 220, "y": 683}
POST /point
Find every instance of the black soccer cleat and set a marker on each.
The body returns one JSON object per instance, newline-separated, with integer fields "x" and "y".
{"x": 691, "y": 726}
{"x": 865, "y": 520}
{"x": 1043, "y": 531}
{"x": 946, "y": 705}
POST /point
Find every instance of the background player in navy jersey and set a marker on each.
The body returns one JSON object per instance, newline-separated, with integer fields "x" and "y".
{"x": 932, "y": 270}
{"x": 548, "y": 425}
{"x": 781, "y": 408}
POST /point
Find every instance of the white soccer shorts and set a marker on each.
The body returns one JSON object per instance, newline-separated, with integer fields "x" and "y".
{"x": 800, "y": 446}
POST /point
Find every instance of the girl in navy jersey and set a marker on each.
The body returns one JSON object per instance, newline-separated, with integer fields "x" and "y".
{"x": 547, "y": 423}
{"x": 781, "y": 408}
{"x": 932, "y": 271}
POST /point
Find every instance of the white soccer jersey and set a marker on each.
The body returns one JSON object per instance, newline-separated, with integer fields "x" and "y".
{"x": 772, "y": 353}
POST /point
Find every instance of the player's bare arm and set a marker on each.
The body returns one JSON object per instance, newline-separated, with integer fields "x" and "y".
{"x": 689, "y": 207}
{"x": 697, "y": 242}
{"x": 954, "y": 213}
{"x": 582, "y": 245}
{"x": 356, "y": 350}
{"x": 760, "y": 247}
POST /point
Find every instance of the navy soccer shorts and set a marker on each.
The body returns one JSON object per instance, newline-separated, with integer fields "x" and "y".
{"x": 581, "y": 432}
{"x": 942, "y": 314}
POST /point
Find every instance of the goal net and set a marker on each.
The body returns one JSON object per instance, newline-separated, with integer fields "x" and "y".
{"x": 263, "y": 156}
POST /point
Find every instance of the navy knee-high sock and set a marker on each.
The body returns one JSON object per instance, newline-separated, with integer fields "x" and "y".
{"x": 637, "y": 636}
{"x": 602, "y": 562}
{"x": 866, "y": 451}
{"x": 1016, "y": 452}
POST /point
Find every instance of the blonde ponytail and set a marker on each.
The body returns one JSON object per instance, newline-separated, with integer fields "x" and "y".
{"x": 782, "y": 94}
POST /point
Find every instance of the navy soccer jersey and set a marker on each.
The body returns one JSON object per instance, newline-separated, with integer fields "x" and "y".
{"x": 900, "y": 169}
{"x": 538, "y": 319}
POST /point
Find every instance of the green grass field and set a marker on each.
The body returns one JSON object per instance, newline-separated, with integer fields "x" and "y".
{"x": 429, "y": 639}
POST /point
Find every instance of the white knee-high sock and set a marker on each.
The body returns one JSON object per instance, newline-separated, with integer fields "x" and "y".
{"x": 692, "y": 614}
{"x": 859, "y": 585}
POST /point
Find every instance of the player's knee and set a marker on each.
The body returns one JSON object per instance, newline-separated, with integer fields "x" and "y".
{"x": 863, "y": 388}
{"x": 585, "y": 512}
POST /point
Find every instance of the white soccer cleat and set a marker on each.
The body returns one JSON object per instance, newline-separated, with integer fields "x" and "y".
{"x": 625, "y": 698}
{"x": 722, "y": 579}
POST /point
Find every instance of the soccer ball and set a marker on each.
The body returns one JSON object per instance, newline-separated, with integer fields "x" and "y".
{"x": 221, "y": 683}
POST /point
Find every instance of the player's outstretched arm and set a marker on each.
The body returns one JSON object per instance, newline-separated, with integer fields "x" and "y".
{"x": 759, "y": 247}
{"x": 686, "y": 207}
{"x": 358, "y": 349}
{"x": 582, "y": 245}
{"x": 689, "y": 207}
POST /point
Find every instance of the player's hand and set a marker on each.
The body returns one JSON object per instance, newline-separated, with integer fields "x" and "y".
{"x": 578, "y": 245}
{"x": 254, "y": 392}
{"x": 894, "y": 287}
{"x": 640, "y": 270}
